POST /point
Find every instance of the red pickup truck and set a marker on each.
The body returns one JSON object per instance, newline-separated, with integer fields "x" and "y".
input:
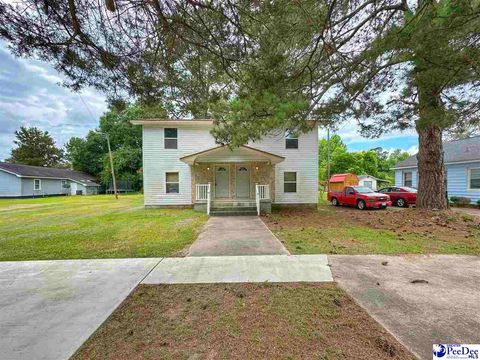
{"x": 360, "y": 196}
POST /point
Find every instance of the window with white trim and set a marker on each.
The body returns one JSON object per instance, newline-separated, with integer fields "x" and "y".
{"x": 170, "y": 138}
{"x": 407, "y": 178}
{"x": 474, "y": 179}
{"x": 290, "y": 182}
{"x": 64, "y": 184}
{"x": 172, "y": 183}
{"x": 291, "y": 140}
{"x": 37, "y": 184}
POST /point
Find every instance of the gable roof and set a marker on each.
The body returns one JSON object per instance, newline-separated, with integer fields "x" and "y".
{"x": 464, "y": 150}
{"x": 41, "y": 172}
{"x": 224, "y": 153}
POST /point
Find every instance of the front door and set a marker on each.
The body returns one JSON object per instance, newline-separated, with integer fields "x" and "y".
{"x": 243, "y": 181}
{"x": 222, "y": 175}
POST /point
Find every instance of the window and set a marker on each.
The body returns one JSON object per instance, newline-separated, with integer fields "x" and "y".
{"x": 170, "y": 138}
{"x": 172, "y": 184}
{"x": 368, "y": 184}
{"x": 407, "y": 178}
{"x": 349, "y": 191}
{"x": 37, "y": 184}
{"x": 64, "y": 184}
{"x": 291, "y": 140}
{"x": 474, "y": 179}
{"x": 290, "y": 182}
{"x": 384, "y": 190}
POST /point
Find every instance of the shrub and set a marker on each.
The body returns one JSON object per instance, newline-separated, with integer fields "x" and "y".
{"x": 478, "y": 203}
{"x": 459, "y": 200}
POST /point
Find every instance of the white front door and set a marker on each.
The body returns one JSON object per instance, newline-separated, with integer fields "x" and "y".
{"x": 222, "y": 176}
{"x": 243, "y": 181}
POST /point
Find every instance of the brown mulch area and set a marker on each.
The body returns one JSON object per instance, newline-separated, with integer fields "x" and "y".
{"x": 447, "y": 225}
{"x": 241, "y": 321}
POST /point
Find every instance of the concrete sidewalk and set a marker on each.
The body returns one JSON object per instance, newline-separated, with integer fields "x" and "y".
{"x": 444, "y": 310}
{"x": 234, "y": 269}
{"x": 49, "y": 308}
{"x": 236, "y": 236}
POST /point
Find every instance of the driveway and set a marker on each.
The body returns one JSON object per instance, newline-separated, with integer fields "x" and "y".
{"x": 469, "y": 211}
{"x": 444, "y": 310}
{"x": 49, "y": 308}
{"x": 234, "y": 236}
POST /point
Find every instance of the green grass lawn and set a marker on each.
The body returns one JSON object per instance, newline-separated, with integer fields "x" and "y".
{"x": 77, "y": 227}
{"x": 343, "y": 230}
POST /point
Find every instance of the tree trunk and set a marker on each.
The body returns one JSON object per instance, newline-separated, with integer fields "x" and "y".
{"x": 431, "y": 170}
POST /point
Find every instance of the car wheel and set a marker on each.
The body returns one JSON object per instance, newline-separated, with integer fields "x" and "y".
{"x": 334, "y": 202}
{"x": 361, "y": 205}
{"x": 401, "y": 202}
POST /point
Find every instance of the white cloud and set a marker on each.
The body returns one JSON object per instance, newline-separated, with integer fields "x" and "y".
{"x": 30, "y": 96}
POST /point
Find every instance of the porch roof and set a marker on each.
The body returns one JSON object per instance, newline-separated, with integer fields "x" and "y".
{"x": 223, "y": 153}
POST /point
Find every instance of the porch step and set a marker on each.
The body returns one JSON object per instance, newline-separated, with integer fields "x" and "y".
{"x": 234, "y": 211}
{"x": 235, "y": 205}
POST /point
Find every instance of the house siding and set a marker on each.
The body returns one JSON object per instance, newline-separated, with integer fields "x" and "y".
{"x": 10, "y": 185}
{"x": 303, "y": 160}
{"x": 457, "y": 178}
{"x": 157, "y": 161}
{"x": 399, "y": 177}
{"x": 48, "y": 187}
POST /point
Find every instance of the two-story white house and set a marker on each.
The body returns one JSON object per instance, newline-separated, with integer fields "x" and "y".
{"x": 184, "y": 166}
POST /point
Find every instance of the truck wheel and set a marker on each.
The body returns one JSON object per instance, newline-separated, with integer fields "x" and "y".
{"x": 401, "y": 202}
{"x": 334, "y": 202}
{"x": 361, "y": 204}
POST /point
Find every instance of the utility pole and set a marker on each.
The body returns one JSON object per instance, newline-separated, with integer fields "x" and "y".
{"x": 328, "y": 159}
{"x": 111, "y": 167}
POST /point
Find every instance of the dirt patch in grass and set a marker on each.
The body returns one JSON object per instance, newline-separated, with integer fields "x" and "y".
{"x": 241, "y": 321}
{"x": 342, "y": 230}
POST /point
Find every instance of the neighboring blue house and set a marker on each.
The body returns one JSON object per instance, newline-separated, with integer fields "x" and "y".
{"x": 462, "y": 165}
{"x": 17, "y": 181}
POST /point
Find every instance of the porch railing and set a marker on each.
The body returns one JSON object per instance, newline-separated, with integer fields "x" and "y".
{"x": 209, "y": 198}
{"x": 262, "y": 192}
{"x": 203, "y": 193}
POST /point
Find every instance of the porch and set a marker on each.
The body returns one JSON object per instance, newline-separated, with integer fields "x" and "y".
{"x": 233, "y": 182}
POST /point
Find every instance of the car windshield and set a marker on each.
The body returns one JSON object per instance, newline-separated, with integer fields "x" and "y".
{"x": 409, "y": 189}
{"x": 363, "y": 190}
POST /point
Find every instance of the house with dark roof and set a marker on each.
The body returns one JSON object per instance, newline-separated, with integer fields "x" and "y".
{"x": 462, "y": 168}
{"x": 18, "y": 180}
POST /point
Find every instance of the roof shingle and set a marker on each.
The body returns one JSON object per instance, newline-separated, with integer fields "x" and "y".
{"x": 455, "y": 151}
{"x": 46, "y": 172}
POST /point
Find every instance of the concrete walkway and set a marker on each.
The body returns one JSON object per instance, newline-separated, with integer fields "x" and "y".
{"x": 49, "y": 308}
{"x": 234, "y": 269}
{"x": 444, "y": 310}
{"x": 234, "y": 236}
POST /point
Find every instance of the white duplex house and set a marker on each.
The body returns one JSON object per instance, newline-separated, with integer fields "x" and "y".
{"x": 184, "y": 166}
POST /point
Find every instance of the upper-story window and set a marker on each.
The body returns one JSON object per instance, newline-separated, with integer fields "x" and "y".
{"x": 170, "y": 138}
{"x": 291, "y": 140}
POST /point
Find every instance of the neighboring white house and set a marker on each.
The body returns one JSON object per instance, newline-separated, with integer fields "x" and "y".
{"x": 371, "y": 182}
{"x": 18, "y": 180}
{"x": 182, "y": 161}
{"x": 462, "y": 168}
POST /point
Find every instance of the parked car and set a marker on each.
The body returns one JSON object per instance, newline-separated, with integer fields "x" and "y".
{"x": 401, "y": 196}
{"x": 360, "y": 196}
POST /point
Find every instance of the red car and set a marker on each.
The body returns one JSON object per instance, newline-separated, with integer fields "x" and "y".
{"x": 360, "y": 196}
{"x": 401, "y": 196}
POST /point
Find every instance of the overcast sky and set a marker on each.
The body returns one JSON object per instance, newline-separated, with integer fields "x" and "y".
{"x": 30, "y": 95}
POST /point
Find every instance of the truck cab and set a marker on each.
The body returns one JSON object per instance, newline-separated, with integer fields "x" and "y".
{"x": 360, "y": 196}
